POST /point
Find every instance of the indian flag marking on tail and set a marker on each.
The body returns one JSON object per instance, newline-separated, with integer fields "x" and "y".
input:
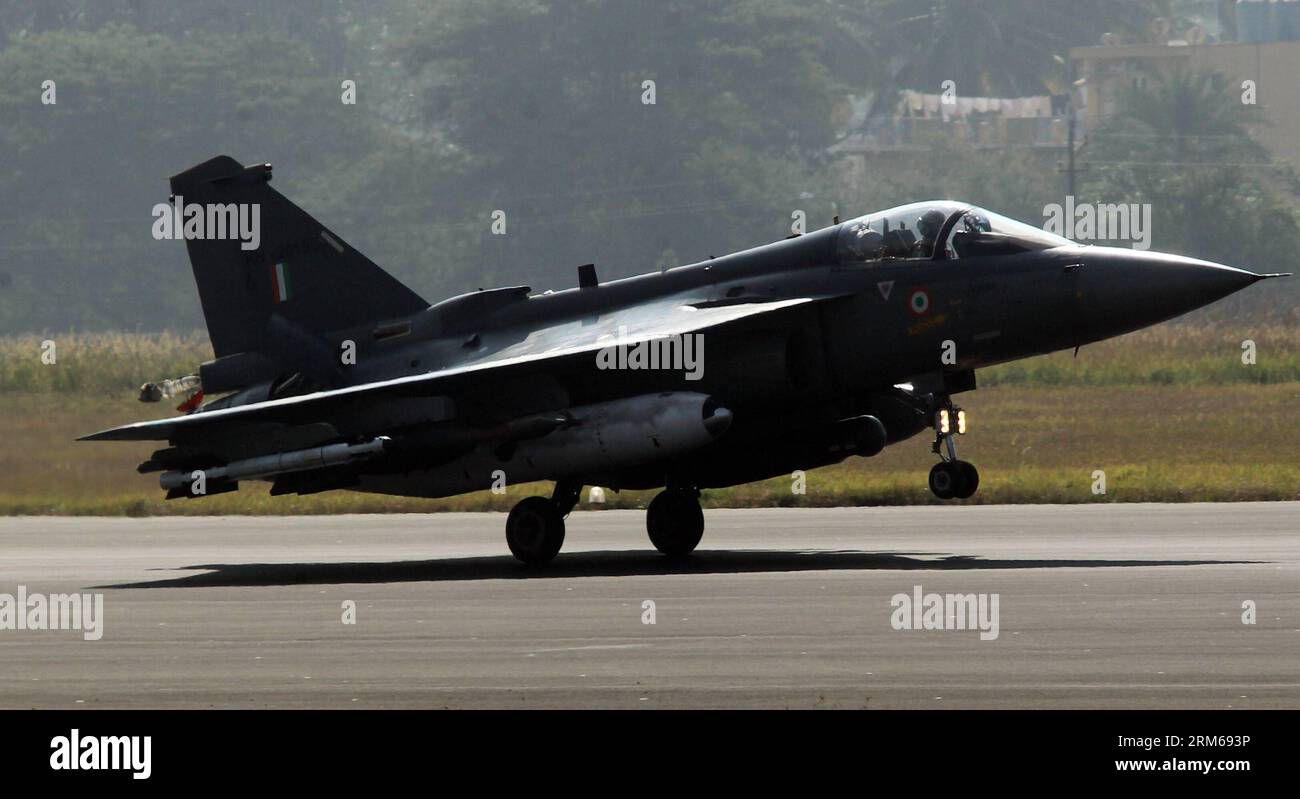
{"x": 280, "y": 278}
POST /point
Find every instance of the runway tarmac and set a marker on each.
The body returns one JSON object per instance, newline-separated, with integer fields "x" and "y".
{"x": 1116, "y": 605}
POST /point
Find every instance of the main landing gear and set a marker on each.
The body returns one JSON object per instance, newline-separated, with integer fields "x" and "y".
{"x": 675, "y": 521}
{"x": 535, "y": 526}
{"x": 951, "y": 478}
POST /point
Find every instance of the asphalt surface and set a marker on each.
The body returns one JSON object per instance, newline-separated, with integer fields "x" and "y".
{"x": 1125, "y": 606}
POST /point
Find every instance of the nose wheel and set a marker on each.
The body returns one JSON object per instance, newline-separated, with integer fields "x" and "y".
{"x": 951, "y": 478}
{"x": 954, "y": 479}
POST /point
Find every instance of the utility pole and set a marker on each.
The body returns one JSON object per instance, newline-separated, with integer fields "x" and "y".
{"x": 1070, "y": 169}
{"x": 1069, "y": 138}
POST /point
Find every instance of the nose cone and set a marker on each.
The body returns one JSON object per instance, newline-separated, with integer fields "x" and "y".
{"x": 1122, "y": 290}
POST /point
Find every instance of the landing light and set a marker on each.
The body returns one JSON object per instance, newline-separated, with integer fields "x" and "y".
{"x": 943, "y": 421}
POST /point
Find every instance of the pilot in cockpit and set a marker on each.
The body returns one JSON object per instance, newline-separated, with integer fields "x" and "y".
{"x": 928, "y": 225}
{"x": 864, "y": 244}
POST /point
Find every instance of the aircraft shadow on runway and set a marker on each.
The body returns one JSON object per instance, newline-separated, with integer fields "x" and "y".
{"x": 609, "y": 564}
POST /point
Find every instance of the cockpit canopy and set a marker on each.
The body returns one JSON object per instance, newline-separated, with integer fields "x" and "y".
{"x": 916, "y": 231}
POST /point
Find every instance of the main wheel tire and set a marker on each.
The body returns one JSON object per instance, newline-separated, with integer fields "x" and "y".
{"x": 675, "y": 522}
{"x": 969, "y": 479}
{"x": 945, "y": 480}
{"x": 534, "y": 530}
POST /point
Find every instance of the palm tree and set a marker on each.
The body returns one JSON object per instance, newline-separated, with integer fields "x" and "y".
{"x": 996, "y": 48}
{"x": 1181, "y": 144}
{"x": 1185, "y": 114}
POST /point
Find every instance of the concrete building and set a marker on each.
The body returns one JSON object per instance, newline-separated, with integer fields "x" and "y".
{"x": 1274, "y": 67}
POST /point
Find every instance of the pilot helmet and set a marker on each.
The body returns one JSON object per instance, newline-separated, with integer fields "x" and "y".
{"x": 930, "y": 223}
{"x": 976, "y": 223}
{"x": 867, "y": 243}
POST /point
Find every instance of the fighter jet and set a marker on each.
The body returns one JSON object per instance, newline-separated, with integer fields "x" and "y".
{"x": 330, "y": 374}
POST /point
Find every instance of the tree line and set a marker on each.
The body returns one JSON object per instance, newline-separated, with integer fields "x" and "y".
{"x": 630, "y": 134}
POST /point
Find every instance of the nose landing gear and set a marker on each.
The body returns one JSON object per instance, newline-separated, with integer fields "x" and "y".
{"x": 954, "y": 479}
{"x": 951, "y": 478}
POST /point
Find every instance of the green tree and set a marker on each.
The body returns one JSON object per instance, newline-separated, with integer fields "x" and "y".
{"x": 82, "y": 175}
{"x": 546, "y": 108}
{"x": 993, "y": 48}
{"x": 1182, "y": 144}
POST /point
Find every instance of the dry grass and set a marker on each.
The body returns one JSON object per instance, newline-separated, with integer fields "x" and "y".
{"x": 97, "y": 364}
{"x": 1170, "y": 413}
{"x": 1169, "y": 354}
{"x": 1032, "y": 445}
{"x": 115, "y": 364}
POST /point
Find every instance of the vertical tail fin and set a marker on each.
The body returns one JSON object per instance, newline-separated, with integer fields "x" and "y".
{"x": 298, "y": 269}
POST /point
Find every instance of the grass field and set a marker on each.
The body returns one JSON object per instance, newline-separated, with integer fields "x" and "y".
{"x": 1168, "y": 414}
{"x": 112, "y": 365}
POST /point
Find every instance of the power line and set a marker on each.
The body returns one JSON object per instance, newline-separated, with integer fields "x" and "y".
{"x": 1179, "y": 164}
